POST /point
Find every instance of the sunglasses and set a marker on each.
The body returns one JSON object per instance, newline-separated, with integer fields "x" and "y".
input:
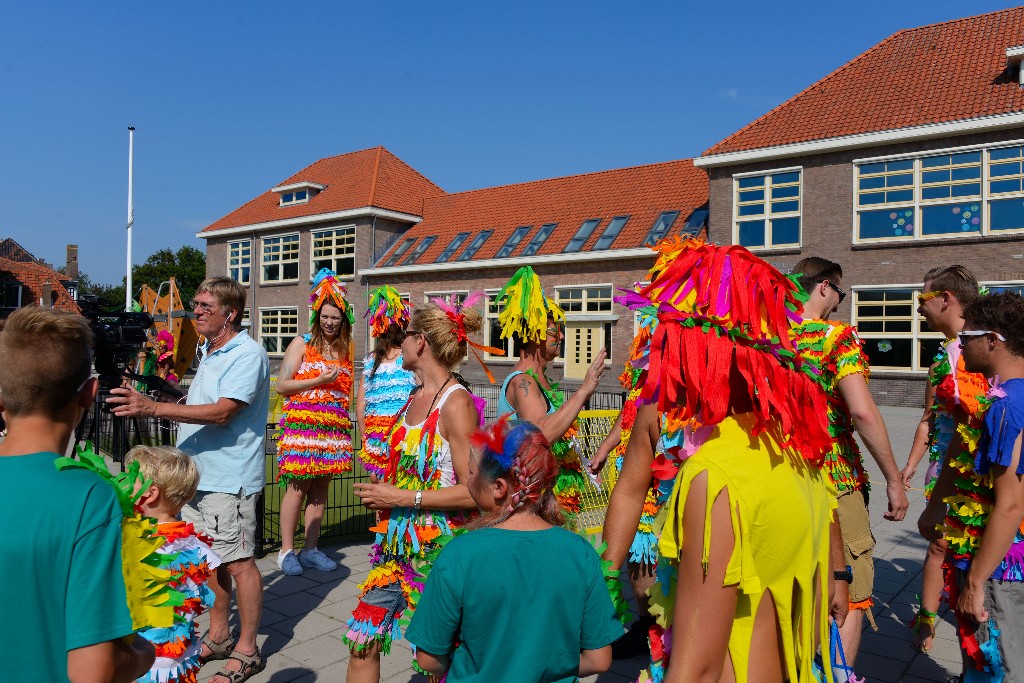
{"x": 410, "y": 333}
{"x": 837, "y": 290}
{"x": 967, "y": 335}
{"x": 928, "y": 296}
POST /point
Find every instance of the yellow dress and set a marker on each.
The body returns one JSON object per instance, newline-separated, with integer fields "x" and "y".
{"x": 780, "y": 510}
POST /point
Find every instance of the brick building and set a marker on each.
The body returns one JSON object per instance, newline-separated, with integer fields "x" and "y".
{"x": 28, "y": 281}
{"x": 376, "y": 221}
{"x": 908, "y": 157}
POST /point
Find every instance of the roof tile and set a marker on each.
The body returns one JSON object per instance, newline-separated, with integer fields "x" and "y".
{"x": 939, "y": 73}
{"x": 370, "y": 177}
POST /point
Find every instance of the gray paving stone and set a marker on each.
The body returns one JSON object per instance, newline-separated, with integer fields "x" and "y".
{"x": 294, "y": 604}
{"x": 280, "y": 584}
{"x": 317, "y": 653}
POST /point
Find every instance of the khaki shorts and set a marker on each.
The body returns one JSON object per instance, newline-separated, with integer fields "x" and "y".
{"x": 228, "y": 518}
{"x": 858, "y": 543}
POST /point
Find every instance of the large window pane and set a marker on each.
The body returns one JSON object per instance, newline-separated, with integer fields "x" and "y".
{"x": 950, "y": 218}
{"x": 752, "y": 234}
{"x": 886, "y": 223}
{"x": 1007, "y": 214}
{"x": 895, "y": 353}
{"x": 785, "y": 231}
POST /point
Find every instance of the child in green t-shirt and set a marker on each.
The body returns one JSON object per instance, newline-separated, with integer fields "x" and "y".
{"x": 517, "y": 582}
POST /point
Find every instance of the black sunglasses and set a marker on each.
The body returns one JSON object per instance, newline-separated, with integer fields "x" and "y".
{"x": 837, "y": 290}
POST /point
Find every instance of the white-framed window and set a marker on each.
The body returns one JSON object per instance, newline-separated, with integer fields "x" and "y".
{"x": 280, "y": 258}
{"x": 492, "y": 330}
{"x": 966, "y": 191}
{"x": 294, "y": 197}
{"x": 334, "y": 248}
{"x": 278, "y": 326}
{"x": 240, "y": 261}
{"x": 768, "y": 209}
{"x": 588, "y": 321}
{"x": 895, "y": 336}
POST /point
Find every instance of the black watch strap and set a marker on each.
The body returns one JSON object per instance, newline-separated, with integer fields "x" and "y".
{"x": 844, "y": 574}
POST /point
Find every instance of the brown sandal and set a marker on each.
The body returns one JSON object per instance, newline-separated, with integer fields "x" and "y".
{"x": 251, "y": 665}
{"x": 218, "y": 649}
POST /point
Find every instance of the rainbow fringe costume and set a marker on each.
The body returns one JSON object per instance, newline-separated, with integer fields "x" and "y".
{"x": 720, "y": 307}
{"x": 943, "y": 381}
{"x": 191, "y": 562}
{"x": 835, "y": 350}
{"x": 405, "y": 536}
{"x": 569, "y": 485}
{"x": 386, "y": 391}
{"x": 316, "y": 432}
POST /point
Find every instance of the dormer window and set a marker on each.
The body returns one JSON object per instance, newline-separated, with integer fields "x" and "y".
{"x": 297, "y": 193}
{"x": 1015, "y": 61}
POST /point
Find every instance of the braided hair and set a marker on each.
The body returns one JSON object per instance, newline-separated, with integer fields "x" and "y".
{"x": 517, "y": 452}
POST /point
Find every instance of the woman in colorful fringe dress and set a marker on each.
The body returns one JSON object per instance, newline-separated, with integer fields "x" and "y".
{"x": 746, "y": 535}
{"x": 316, "y": 432}
{"x": 386, "y": 383}
{"x": 466, "y": 626}
{"x": 536, "y": 324}
{"x": 423, "y": 496}
{"x": 951, "y": 395}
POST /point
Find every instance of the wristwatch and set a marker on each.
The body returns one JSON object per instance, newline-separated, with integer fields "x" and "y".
{"x": 417, "y": 500}
{"x": 844, "y": 574}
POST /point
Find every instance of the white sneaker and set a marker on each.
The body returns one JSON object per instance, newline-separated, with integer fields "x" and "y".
{"x": 289, "y": 563}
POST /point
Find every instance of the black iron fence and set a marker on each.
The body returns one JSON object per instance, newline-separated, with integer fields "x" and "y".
{"x": 344, "y": 516}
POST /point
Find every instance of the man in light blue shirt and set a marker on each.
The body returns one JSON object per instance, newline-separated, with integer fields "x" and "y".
{"x": 223, "y": 426}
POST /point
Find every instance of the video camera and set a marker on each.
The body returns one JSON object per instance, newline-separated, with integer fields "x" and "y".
{"x": 119, "y": 337}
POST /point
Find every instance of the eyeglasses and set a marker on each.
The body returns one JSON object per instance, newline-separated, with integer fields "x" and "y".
{"x": 202, "y": 306}
{"x": 928, "y": 296}
{"x": 410, "y": 333}
{"x": 837, "y": 290}
{"x": 966, "y": 335}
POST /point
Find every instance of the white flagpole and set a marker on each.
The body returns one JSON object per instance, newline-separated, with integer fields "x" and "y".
{"x": 131, "y": 219}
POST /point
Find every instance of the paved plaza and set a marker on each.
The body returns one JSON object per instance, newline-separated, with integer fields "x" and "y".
{"x": 303, "y": 616}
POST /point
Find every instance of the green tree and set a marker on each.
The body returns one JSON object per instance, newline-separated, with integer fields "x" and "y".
{"x": 187, "y": 266}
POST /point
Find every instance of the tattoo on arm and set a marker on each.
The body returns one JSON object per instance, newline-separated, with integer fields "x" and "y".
{"x": 524, "y": 384}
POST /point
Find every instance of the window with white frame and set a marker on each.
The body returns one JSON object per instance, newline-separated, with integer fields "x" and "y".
{"x": 894, "y": 335}
{"x": 956, "y": 193}
{"x": 278, "y": 326}
{"x": 240, "y": 261}
{"x": 295, "y": 197}
{"x": 588, "y": 313}
{"x": 280, "y": 258}
{"x": 767, "y": 212}
{"x": 334, "y": 248}
{"x": 492, "y": 330}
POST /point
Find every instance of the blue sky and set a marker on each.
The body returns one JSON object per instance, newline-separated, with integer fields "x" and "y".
{"x": 230, "y": 98}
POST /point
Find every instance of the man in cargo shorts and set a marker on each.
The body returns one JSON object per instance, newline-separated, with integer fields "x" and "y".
{"x": 836, "y": 348}
{"x": 223, "y": 426}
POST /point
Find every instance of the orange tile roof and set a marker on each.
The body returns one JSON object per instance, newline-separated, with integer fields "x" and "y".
{"x": 32, "y": 275}
{"x": 932, "y": 74}
{"x": 371, "y": 177}
{"x": 642, "y": 192}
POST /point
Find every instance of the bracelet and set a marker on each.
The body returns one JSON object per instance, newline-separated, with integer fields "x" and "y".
{"x": 417, "y": 500}
{"x": 844, "y": 574}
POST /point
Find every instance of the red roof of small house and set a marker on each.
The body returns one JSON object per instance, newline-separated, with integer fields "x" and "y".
{"x": 371, "y": 177}
{"x": 32, "y": 276}
{"x": 9, "y": 249}
{"x": 641, "y": 192}
{"x": 932, "y": 74}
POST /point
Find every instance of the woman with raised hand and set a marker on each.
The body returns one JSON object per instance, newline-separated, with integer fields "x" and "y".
{"x": 537, "y": 324}
{"x": 316, "y": 432}
{"x": 423, "y": 495}
{"x": 386, "y": 382}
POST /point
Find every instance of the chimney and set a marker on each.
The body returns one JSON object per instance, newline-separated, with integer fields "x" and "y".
{"x": 1014, "y": 57}
{"x": 71, "y": 271}
{"x": 47, "y": 301}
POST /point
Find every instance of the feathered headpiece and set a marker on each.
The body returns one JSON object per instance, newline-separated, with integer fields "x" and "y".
{"x": 167, "y": 338}
{"x": 328, "y": 289}
{"x": 526, "y": 309}
{"x": 387, "y": 308}
{"x": 453, "y": 310}
{"x": 721, "y": 308}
